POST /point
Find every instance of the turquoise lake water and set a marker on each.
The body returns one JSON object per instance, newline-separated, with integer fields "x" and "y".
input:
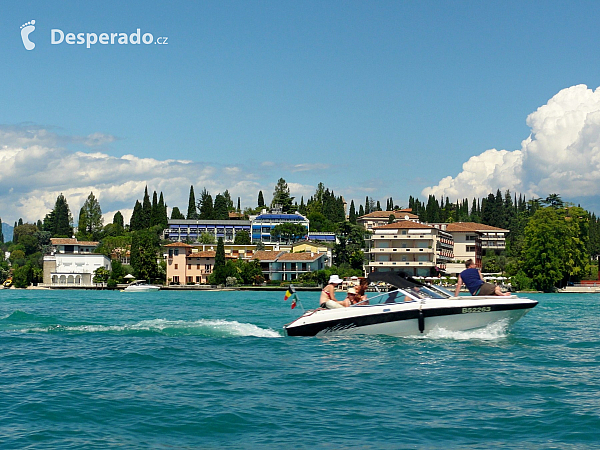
{"x": 98, "y": 369}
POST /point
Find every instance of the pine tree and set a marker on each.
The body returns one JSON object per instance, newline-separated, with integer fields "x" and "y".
{"x": 1, "y": 233}
{"x": 282, "y": 197}
{"x": 192, "y": 212}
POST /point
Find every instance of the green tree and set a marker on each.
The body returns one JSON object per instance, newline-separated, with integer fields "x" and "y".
{"x": 288, "y": 232}
{"x": 281, "y": 196}
{"x": 144, "y": 254}
{"x": 101, "y": 275}
{"x": 242, "y": 238}
{"x": 220, "y": 272}
{"x": 352, "y": 213}
{"x": 146, "y": 210}
{"x": 59, "y": 221}
{"x": 348, "y": 250}
{"x": 90, "y": 218}
{"x": 192, "y": 212}
{"x": 137, "y": 221}
{"x": 220, "y": 209}
{"x": 206, "y": 205}
{"x": 1, "y": 233}
{"x": 176, "y": 214}
{"x": 261, "y": 200}
{"x": 207, "y": 238}
{"x": 118, "y": 220}
{"x": 555, "y": 247}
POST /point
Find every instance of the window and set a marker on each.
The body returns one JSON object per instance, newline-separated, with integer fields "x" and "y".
{"x": 197, "y": 266}
{"x": 207, "y": 268}
{"x": 189, "y": 267}
{"x": 471, "y": 237}
{"x": 176, "y": 252}
{"x": 175, "y": 279}
{"x": 190, "y": 279}
{"x": 470, "y": 248}
{"x": 198, "y": 279}
{"x": 176, "y": 266}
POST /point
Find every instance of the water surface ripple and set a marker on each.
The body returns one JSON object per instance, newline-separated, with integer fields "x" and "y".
{"x": 86, "y": 369}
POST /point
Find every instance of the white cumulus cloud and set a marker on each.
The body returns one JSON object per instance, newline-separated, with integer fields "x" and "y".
{"x": 561, "y": 155}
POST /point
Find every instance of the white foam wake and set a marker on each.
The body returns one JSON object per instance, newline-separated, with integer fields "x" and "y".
{"x": 216, "y": 327}
{"x": 493, "y": 331}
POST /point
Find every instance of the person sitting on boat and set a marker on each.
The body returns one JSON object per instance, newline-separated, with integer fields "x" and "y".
{"x": 354, "y": 297}
{"x": 361, "y": 289}
{"x": 327, "y": 299}
{"x": 472, "y": 278}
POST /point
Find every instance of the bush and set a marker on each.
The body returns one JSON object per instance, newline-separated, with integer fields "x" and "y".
{"x": 521, "y": 282}
{"x": 111, "y": 283}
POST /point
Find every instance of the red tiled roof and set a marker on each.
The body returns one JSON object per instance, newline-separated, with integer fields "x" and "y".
{"x": 404, "y": 224}
{"x": 303, "y": 256}
{"x": 398, "y": 214}
{"x": 179, "y": 244}
{"x": 266, "y": 255}
{"x": 204, "y": 254}
{"x": 72, "y": 241}
{"x": 472, "y": 226}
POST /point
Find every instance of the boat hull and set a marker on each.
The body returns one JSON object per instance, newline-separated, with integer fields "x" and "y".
{"x": 409, "y": 319}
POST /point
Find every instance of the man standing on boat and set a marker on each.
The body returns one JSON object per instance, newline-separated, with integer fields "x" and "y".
{"x": 473, "y": 279}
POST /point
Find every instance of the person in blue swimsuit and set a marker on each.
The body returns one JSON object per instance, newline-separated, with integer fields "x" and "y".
{"x": 472, "y": 278}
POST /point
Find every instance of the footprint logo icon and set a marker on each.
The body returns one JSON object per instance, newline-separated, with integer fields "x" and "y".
{"x": 26, "y": 30}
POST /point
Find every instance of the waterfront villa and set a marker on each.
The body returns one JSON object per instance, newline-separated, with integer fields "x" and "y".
{"x": 72, "y": 263}
{"x": 285, "y": 266}
{"x": 191, "y": 230}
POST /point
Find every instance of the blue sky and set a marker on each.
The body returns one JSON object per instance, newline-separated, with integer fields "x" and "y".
{"x": 371, "y": 98}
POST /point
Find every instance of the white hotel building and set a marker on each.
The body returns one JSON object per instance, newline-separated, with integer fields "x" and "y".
{"x": 414, "y": 248}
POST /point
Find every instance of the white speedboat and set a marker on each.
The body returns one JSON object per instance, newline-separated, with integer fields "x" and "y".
{"x": 141, "y": 286}
{"x": 410, "y": 309}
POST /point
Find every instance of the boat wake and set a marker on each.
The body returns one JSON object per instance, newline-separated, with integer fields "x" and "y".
{"x": 19, "y": 321}
{"x": 493, "y": 331}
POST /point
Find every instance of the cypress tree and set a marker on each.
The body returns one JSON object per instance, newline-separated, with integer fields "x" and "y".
{"x": 361, "y": 211}
{"x": 239, "y": 206}
{"x": 261, "y": 200}
{"x": 1, "y": 233}
{"x": 136, "y": 222}
{"x": 146, "y": 210}
{"x": 367, "y": 205}
{"x": 352, "y": 213}
{"x": 192, "y": 212}
{"x": 220, "y": 211}
{"x": 176, "y": 214}
{"x": 162, "y": 208}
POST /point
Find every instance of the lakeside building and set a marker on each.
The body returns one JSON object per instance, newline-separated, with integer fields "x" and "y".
{"x": 286, "y": 266}
{"x": 412, "y": 247}
{"x": 315, "y": 247}
{"x": 193, "y": 263}
{"x": 72, "y": 263}
{"x": 265, "y": 222}
{"x": 377, "y": 219}
{"x": 471, "y": 241}
{"x": 191, "y": 230}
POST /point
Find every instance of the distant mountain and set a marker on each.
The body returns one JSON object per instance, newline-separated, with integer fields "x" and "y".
{"x": 7, "y": 230}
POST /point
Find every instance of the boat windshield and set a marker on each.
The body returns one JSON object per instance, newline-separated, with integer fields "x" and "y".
{"x": 402, "y": 295}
